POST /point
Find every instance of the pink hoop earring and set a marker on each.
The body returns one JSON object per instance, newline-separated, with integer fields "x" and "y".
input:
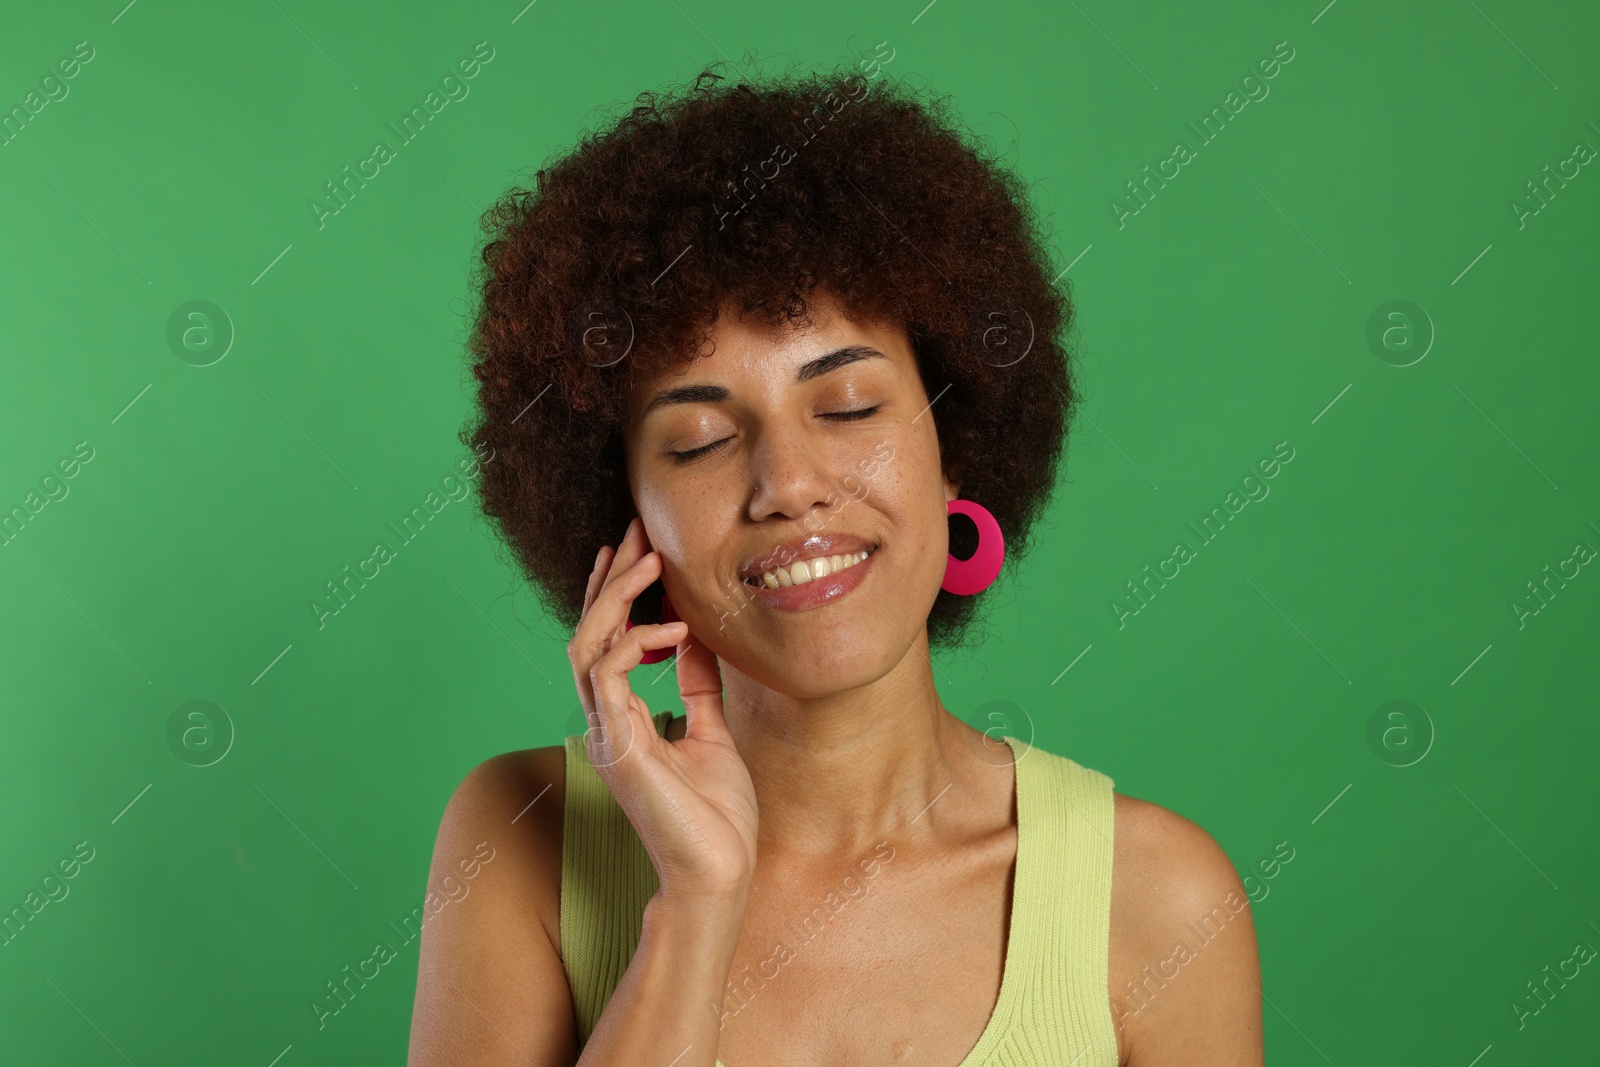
{"x": 964, "y": 577}
{"x": 656, "y": 655}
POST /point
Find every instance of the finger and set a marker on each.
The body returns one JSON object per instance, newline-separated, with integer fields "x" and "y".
{"x": 629, "y": 652}
{"x": 580, "y": 682}
{"x": 581, "y": 650}
{"x": 609, "y": 738}
{"x": 616, "y": 597}
{"x": 700, "y": 688}
{"x": 613, "y": 695}
{"x": 633, "y": 547}
{"x": 630, "y": 550}
{"x": 604, "y": 624}
{"x": 597, "y": 575}
{"x": 598, "y": 631}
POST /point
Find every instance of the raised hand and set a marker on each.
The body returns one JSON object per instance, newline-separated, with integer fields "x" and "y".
{"x": 691, "y": 801}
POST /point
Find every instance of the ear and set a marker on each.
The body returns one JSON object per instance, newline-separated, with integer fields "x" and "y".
{"x": 952, "y": 489}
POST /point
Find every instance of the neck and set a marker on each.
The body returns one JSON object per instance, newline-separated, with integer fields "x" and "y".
{"x": 836, "y": 774}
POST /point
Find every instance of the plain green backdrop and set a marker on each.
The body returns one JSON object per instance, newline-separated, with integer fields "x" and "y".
{"x": 1442, "y": 859}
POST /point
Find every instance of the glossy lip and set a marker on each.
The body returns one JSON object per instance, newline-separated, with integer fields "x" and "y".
{"x": 796, "y": 549}
{"x": 818, "y": 591}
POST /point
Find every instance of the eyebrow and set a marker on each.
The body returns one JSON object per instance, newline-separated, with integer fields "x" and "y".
{"x": 816, "y": 368}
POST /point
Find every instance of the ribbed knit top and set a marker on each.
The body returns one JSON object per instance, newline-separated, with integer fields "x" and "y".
{"x": 1053, "y": 1006}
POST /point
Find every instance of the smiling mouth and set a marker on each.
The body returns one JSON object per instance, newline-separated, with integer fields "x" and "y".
{"x": 809, "y": 570}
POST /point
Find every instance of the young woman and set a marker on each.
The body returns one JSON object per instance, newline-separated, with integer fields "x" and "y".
{"x": 773, "y": 377}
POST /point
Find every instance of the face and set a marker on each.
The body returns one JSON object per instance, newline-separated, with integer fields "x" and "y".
{"x": 781, "y": 447}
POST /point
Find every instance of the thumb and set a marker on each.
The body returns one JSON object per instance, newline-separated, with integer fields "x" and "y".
{"x": 700, "y": 687}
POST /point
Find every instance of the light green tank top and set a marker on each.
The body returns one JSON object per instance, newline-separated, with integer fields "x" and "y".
{"x": 1054, "y": 1005}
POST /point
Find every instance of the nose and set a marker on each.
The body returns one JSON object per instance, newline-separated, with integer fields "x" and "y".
{"x": 790, "y": 474}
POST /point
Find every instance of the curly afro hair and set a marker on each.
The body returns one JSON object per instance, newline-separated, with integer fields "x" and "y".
{"x": 720, "y": 193}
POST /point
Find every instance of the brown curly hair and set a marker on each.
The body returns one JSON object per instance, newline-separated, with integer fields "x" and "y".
{"x": 616, "y": 264}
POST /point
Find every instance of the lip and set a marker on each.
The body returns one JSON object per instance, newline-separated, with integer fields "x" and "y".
{"x": 799, "y": 548}
{"x": 818, "y": 591}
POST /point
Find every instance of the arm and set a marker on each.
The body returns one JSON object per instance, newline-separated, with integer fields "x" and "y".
{"x": 668, "y": 1006}
{"x": 490, "y": 986}
{"x": 491, "y": 989}
{"x": 1187, "y": 981}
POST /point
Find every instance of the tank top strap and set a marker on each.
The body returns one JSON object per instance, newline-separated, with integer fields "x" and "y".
{"x": 1066, "y": 811}
{"x": 606, "y": 880}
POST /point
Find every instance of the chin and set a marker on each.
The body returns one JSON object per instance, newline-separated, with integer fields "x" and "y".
{"x": 843, "y": 659}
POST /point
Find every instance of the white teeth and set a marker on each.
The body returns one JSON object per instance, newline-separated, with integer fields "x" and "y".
{"x": 809, "y": 570}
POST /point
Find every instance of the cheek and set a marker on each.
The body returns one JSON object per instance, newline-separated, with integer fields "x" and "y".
{"x": 902, "y": 480}
{"x": 662, "y": 525}
{"x": 686, "y": 526}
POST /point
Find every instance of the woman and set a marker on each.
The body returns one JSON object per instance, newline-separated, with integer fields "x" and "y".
{"x": 742, "y": 358}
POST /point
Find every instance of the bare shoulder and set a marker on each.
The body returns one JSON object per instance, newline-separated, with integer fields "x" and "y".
{"x": 1166, "y": 856}
{"x": 1184, "y": 971}
{"x": 518, "y": 796}
{"x": 490, "y": 985}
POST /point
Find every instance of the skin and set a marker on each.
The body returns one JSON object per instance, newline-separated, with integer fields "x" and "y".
{"x": 811, "y": 738}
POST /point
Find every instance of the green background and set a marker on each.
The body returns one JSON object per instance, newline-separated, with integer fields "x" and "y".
{"x": 1230, "y": 314}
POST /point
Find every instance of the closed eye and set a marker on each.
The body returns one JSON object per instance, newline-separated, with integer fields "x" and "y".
{"x": 845, "y": 416}
{"x": 684, "y": 457}
{"x": 840, "y": 416}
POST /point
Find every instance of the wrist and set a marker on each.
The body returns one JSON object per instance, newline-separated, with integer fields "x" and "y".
{"x": 705, "y": 910}
{"x": 698, "y": 923}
